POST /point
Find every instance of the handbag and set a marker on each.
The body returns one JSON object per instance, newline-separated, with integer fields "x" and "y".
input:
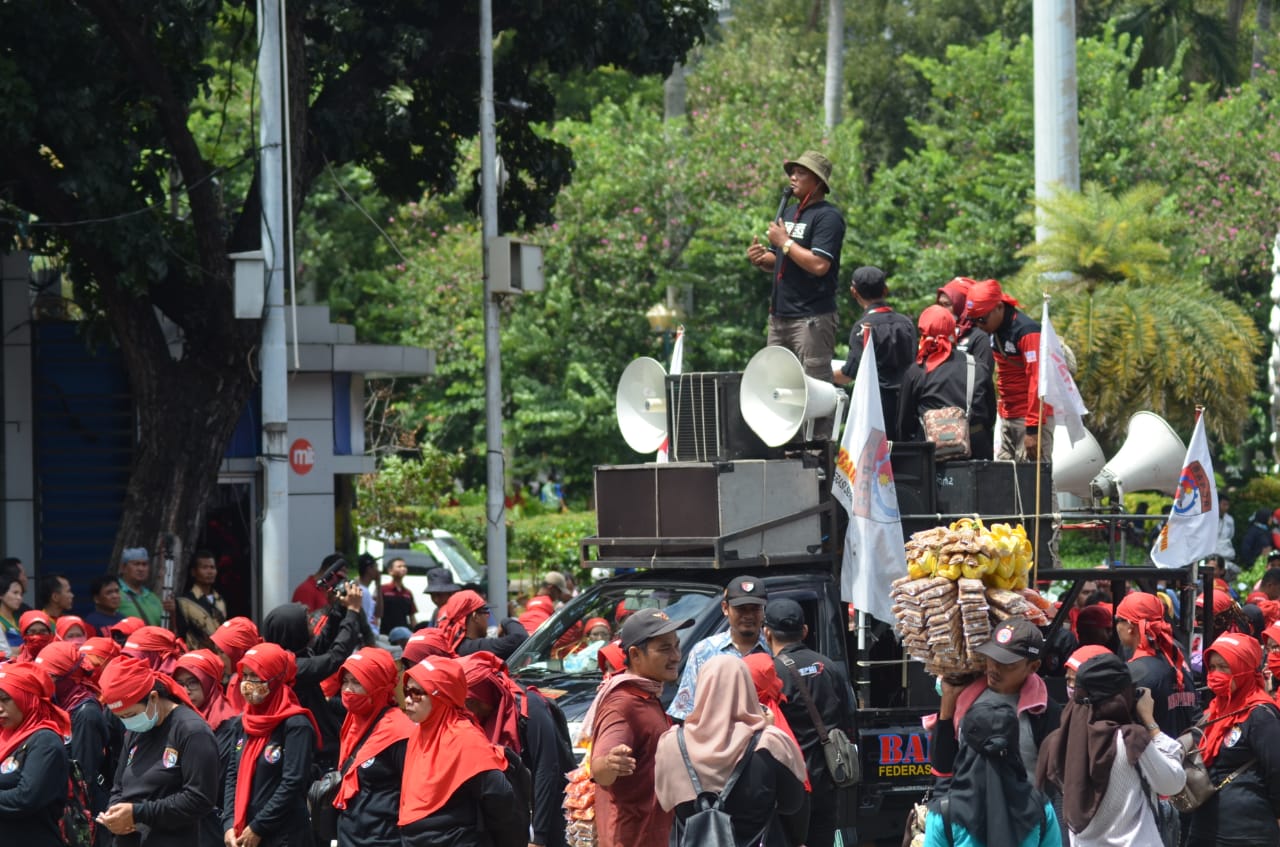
{"x": 948, "y": 427}
{"x": 913, "y": 831}
{"x": 321, "y": 794}
{"x": 841, "y": 753}
{"x": 1199, "y": 787}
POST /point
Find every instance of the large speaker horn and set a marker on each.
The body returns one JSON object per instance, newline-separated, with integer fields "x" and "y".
{"x": 778, "y": 398}
{"x": 1150, "y": 460}
{"x": 1075, "y": 465}
{"x": 640, "y": 405}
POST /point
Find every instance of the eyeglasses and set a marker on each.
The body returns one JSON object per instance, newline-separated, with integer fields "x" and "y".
{"x": 192, "y": 684}
{"x": 414, "y": 694}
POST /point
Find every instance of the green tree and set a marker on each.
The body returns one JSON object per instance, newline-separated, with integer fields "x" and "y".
{"x": 106, "y": 164}
{"x": 1126, "y": 311}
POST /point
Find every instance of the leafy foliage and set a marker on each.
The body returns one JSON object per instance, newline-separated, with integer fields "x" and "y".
{"x": 392, "y": 503}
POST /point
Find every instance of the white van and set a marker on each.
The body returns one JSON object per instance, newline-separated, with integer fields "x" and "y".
{"x": 439, "y": 549}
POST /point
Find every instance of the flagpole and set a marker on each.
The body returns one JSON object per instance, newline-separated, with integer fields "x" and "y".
{"x": 1035, "y": 532}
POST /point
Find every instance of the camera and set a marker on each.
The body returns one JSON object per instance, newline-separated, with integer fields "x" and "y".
{"x": 334, "y": 574}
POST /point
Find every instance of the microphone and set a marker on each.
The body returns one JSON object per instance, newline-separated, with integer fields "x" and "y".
{"x": 782, "y": 204}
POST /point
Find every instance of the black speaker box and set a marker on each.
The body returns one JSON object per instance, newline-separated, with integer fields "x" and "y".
{"x": 914, "y": 472}
{"x": 704, "y": 420}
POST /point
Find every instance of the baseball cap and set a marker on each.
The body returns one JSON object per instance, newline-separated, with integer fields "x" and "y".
{"x": 783, "y": 615}
{"x": 557, "y": 579}
{"x": 648, "y": 623}
{"x": 742, "y": 590}
{"x": 1014, "y": 639}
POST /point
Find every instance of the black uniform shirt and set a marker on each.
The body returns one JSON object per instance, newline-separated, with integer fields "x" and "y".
{"x": 370, "y": 819}
{"x": 832, "y": 696}
{"x": 170, "y": 775}
{"x": 33, "y": 789}
{"x": 278, "y": 796}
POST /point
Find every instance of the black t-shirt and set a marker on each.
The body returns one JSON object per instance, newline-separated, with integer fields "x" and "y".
{"x": 827, "y": 683}
{"x": 370, "y": 819}
{"x": 481, "y": 813}
{"x": 1244, "y": 812}
{"x": 90, "y": 740}
{"x": 398, "y": 607}
{"x": 170, "y": 775}
{"x": 797, "y": 293}
{"x": 33, "y": 790}
{"x": 540, "y": 740}
{"x": 278, "y": 795}
{"x": 1176, "y": 708}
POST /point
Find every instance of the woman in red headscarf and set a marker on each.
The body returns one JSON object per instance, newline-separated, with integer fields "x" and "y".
{"x": 75, "y": 692}
{"x": 200, "y": 675}
{"x": 165, "y": 783}
{"x": 969, "y": 339}
{"x": 97, "y": 651}
{"x": 940, "y": 378}
{"x": 455, "y": 791}
{"x": 465, "y": 620}
{"x": 156, "y": 646}
{"x": 33, "y": 758}
{"x": 522, "y": 721}
{"x": 37, "y": 633}
{"x": 231, "y": 641}
{"x": 121, "y": 631}
{"x": 1241, "y": 748}
{"x": 266, "y": 794}
{"x": 1156, "y": 662}
{"x": 371, "y": 755}
{"x": 424, "y": 643}
{"x": 72, "y": 628}
{"x": 1271, "y": 658}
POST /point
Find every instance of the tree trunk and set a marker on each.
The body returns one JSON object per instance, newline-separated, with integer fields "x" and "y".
{"x": 1235, "y": 11}
{"x": 834, "y": 89}
{"x": 1261, "y": 39}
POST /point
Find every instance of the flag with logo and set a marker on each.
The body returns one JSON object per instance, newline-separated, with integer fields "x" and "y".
{"x": 863, "y": 483}
{"x": 677, "y": 362}
{"x": 1191, "y": 532}
{"x": 1056, "y": 387}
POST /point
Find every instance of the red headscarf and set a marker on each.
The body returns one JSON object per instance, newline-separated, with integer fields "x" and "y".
{"x": 611, "y": 659}
{"x": 937, "y": 336}
{"x": 72, "y": 677}
{"x": 157, "y": 646}
{"x": 127, "y": 681}
{"x": 97, "y": 651}
{"x": 64, "y": 624}
{"x": 454, "y": 614}
{"x": 33, "y": 644}
{"x": 595, "y": 622}
{"x": 764, "y": 676}
{"x": 985, "y": 296}
{"x": 488, "y": 682}
{"x": 1155, "y": 636}
{"x": 206, "y": 667}
{"x": 127, "y": 627}
{"x": 1222, "y": 602}
{"x": 277, "y": 667}
{"x": 234, "y": 638}
{"x": 447, "y": 749}
{"x": 424, "y": 643}
{"x": 1243, "y": 655}
{"x": 377, "y": 674}
{"x": 957, "y": 291}
{"x": 1084, "y": 654}
{"x": 1098, "y": 615}
{"x": 31, "y": 690}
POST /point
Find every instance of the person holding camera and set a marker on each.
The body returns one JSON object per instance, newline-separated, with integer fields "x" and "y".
{"x": 1110, "y": 759}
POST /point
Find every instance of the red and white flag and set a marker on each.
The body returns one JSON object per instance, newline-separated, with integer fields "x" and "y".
{"x": 677, "y": 362}
{"x": 1056, "y": 387}
{"x": 1191, "y": 532}
{"x": 863, "y": 483}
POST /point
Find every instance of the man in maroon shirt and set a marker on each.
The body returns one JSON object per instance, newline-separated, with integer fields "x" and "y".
{"x": 629, "y": 719}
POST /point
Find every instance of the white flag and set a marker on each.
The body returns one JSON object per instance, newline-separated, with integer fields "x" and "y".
{"x": 1056, "y": 386}
{"x": 1191, "y": 532}
{"x": 863, "y": 483}
{"x": 677, "y": 362}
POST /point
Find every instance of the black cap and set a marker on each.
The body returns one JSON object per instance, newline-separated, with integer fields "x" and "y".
{"x": 869, "y": 281}
{"x": 785, "y": 616}
{"x": 1014, "y": 639}
{"x": 440, "y": 581}
{"x": 648, "y": 623}
{"x": 745, "y": 589}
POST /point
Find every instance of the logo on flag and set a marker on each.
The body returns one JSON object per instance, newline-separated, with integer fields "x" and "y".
{"x": 1194, "y": 496}
{"x": 1191, "y": 532}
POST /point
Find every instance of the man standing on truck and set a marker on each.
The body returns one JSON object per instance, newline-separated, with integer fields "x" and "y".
{"x": 743, "y": 605}
{"x": 628, "y": 722}
{"x": 828, "y": 684}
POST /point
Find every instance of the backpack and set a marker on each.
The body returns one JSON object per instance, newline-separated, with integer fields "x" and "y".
{"x": 521, "y": 781}
{"x": 564, "y": 743}
{"x": 76, "y": 824}
{"x": 711, "y": 825}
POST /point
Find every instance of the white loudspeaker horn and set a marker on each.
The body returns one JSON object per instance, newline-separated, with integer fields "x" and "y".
{"x": 641, "y": 405}
{"x": 777, "y": 398}
{"x": 1150, "y": 460}
{"x": 1075, "y": 465}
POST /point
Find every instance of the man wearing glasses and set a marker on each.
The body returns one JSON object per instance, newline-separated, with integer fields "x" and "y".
{"x": 1026, "y": 431}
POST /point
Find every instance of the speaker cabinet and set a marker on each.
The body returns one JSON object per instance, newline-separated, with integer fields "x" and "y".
{"x": 1001, "y": 489}
{"x": 914, "y": 471}
{"x": 703, "y": 499}
{"x": 704, "y": 420}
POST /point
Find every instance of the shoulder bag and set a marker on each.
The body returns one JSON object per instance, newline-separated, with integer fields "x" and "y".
{"x": 948, "y": 427}
{"x": 841, "y": 753}
{"x": 321, "y": 794}
{"x": 1200, "y": 786}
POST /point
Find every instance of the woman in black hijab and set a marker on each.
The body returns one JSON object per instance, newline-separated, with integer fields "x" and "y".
{"x": 1110, "y": 759}
{"x": 990, "y": 802}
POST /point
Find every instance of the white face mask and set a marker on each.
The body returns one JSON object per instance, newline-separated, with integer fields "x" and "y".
{"x": 144, "y": 721}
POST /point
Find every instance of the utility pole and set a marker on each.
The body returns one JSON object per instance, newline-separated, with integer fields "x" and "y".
{"x": 833, "y": 91}
{"x": 495, "y": 488}
{"x": 271, "y": 359}
{"x": 1056, "y": 122}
